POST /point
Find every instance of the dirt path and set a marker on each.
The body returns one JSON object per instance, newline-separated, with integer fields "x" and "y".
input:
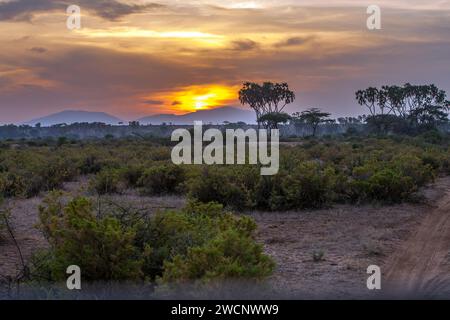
{"x": 350, "y": 238}
{"x": 421, "y": 266}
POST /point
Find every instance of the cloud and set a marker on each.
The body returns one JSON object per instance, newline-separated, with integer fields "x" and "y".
{"x": 294, "y": 41}
{"x": 107, "y": 9}
{"x": 244, "y": 45}
{"x": 153, "y": 102}
{"x": 38, "y": 50}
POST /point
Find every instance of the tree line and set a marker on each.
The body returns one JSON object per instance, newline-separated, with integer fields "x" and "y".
{"x": 399, "y": 109}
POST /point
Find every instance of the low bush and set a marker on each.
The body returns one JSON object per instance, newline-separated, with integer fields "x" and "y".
{"x": 102, "y": 247}
{"x": 170, "y": 246}
{"x": 163, "y": 179}
{"x": 107, "y": 181}
{"x": 309, "y": 186}
{"x": 172, "y": 234}
{"x": 229, "y": 255}
{"x": 131, "y": 175}
{"x": 217, "y": 185}
{"x": 12, "y": 185}
{"x": 385, "y": 185}
{"x": 90, "y": 164}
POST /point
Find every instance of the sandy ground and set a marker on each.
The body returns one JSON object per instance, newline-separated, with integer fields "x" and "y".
{"x": 421, "y": 266}
{"x": 409, "y": 242}
{"x": 345, "y": 241}
{"x": 319, "y": 254}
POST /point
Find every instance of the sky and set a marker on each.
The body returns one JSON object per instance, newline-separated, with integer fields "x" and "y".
{"x": 133, "y": 58}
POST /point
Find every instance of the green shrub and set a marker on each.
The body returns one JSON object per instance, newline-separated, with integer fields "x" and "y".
{"x": 211, "y": 209}
{"x": 172, "y": 233}
{"x": 387, "y": 185}
{"x": 309, "y": 186}
{"x": 52, "y": 175}
{"x": 168, "y": 234}
{"x": 414, "y": 167}
{"x": 90, "y": 164}
{"x": 106, "y": 181}
{"x": 12, "y": 185}
{"x": 318, "y": 255}
{"x": 264, "y": 192}
{"x": 101, "y": 247}
{"x": 28, "y": 176}
{"x": 214, "y": 185}
{"x": 432, "y": 136}
{"x": 164, "y": 179}
{"x": 131, "y": 175}
{"x": 109, "y": 247}
{"x": 229, "y": 255}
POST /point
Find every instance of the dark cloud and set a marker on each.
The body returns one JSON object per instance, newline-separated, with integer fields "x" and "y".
{"x": 107, "y": 9}
{"x": 153, "y": 102}
{"x": 38, "y": 50}
{"x": 294, "y": 41}
{"x": 176, "y": 103}
{"x": 244, "y": 45}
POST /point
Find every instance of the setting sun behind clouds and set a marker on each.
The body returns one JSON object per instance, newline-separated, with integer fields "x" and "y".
{"x": 194, "y": 98}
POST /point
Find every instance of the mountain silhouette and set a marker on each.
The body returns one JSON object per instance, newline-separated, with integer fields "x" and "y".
{"x": 73, "y": 116}
{"x": 214, "y": 116}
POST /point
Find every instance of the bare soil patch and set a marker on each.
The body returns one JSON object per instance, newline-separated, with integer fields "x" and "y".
{"x": 349, "y": 238}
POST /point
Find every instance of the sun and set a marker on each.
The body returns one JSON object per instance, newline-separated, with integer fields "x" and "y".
{"x": 204, "y": 101}
{"x": 195, "y": 98}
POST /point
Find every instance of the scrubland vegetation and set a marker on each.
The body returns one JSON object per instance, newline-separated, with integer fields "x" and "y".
{"x": 313, "y": 173}
{"x": 201, "y": 242}
{"x": 204, "y": 241}
{"x": 400, "y": 151}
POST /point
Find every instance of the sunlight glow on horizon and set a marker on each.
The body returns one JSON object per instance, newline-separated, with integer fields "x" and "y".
{"x": 195, "y": 98}
{"x": 143, "y": 33}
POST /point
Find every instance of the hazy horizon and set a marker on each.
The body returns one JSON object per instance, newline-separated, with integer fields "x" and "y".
{"x": 134, "y": 58}
{"x": 230, "y": 112}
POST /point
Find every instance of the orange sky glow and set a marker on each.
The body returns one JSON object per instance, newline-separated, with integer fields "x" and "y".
{"x": 196, "y": 98}
{"x": 134, "y": 58}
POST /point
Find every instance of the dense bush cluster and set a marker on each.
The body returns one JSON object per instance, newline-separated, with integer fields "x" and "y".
{"x": 199, "y": 243}
{"x": 313, "y": 174}
{"x": 318, "y": 174}
{"x": 26, "y": 173}
{"x": 162, "y": 179}
{"x": 29, "y": 167}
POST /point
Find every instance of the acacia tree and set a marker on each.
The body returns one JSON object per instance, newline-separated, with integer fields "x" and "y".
{"x": 369, "y": 98}
{"x": 272, "y": 119}
{"x": 429, "y": 116}
{"x": 313, "y": 117}
{"x": 413, "y": 105}
{"x": 267, "y": 100}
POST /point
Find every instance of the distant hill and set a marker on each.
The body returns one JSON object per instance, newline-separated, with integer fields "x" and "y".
{"x": 214, "y": 116}
{"x": 73, "y": 116}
